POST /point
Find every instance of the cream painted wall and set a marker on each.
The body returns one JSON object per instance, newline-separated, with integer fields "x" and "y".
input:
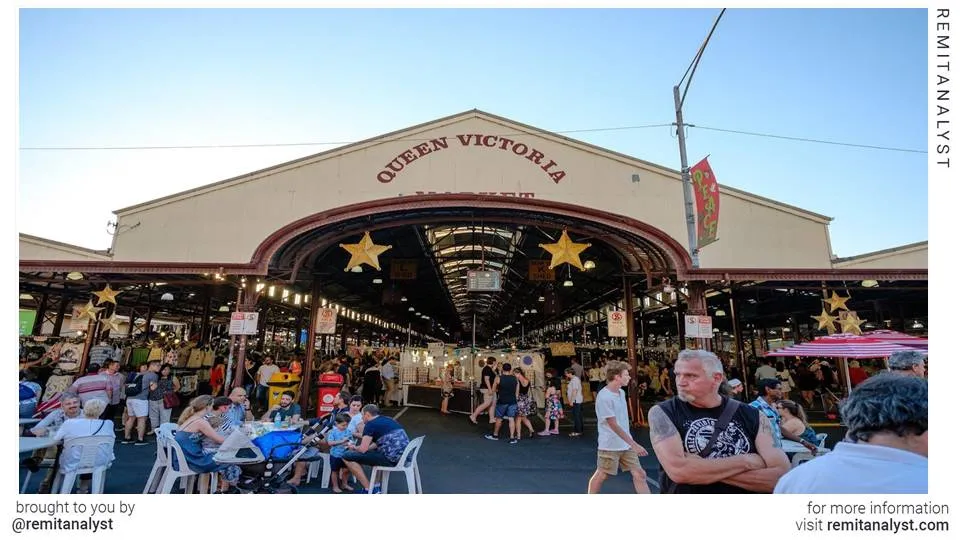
{"x": 906, "y": 259}
{"x": 40, "y": 250}
{"x": 224, "y": 223}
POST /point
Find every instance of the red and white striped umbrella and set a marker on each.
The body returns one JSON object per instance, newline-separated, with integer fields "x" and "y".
{"x": 842, "y": 346}
{"x": 891, "y": 336}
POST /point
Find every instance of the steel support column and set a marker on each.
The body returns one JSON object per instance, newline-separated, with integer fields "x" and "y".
{"x": 305, "y": 386}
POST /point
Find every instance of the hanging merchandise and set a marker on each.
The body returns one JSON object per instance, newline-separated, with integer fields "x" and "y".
{"x": 156, "y": 353}
{"x": 195, "y": 359}
{"x": 208, "y": 357}
{"x": 170, "y": 357}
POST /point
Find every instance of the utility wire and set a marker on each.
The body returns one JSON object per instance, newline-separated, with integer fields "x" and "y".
{"x": 591, "y": 130}
{"x": 325, "y": 143}
{"x": 802, "y": 139}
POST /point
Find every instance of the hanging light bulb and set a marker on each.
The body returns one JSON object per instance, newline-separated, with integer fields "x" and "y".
{"x": 568, "y": 283}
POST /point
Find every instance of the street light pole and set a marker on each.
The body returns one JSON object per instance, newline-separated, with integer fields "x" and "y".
{"x": 682, "y": 140}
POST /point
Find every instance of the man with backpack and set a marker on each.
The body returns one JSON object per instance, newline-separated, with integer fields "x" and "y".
{"x": 138, "y": 404}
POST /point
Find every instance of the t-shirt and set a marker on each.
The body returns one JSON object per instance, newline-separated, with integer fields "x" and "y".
{"x": 577, "y": 370}
{"x": 765, "y": 372}
{"x": 574, "y": 390}
{"x": 695, "y": 426}
{"x": 148, "y": 377}
{"x": 387, "y": 371}
{"x": 335, "y": 435}
{"x": 611, "y": 405}
{"x": 507, "y": 390}
{"x": 858, "y": 468}
{"x": 265, "y": 373}
{"x": 487, "y": 373}
{"x": 286, "y": 412}
{"x": 100, "y": 354}
{"x": 390, "y": 437}
{"x": 354, "y": 422}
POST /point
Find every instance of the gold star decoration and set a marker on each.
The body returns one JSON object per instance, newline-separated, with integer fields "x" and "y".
{"x": 112, "y": 323}
{"x": 107, "y": 295}
{"x": 836, "y": 302}
{"x": 565, "y": 251}
{"x": 364, "y": 252}
{"x": 850, "y": 323}
{"x": 826, "y": 321}
{"x": 88, "y": 311}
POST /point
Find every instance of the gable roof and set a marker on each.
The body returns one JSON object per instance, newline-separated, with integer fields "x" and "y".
{"x": 473, "y": 113}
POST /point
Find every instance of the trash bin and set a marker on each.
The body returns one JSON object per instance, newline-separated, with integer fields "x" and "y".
{"x": 327, "y": 388}
{"x": 280, "y": 382}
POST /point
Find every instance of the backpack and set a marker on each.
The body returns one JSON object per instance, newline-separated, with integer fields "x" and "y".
{"x": 136, "y": 387}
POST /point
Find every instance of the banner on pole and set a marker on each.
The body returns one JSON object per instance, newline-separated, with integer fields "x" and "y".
{"x": 707, "y": 193}
{"x": 244, "y": 323}
{"x": 617, "y": 324}
{"x": 326, "y": 321}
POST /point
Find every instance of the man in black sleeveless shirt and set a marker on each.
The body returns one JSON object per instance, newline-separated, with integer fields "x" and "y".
{"x": 742, "y": 459}
{"x": 508, "y": 391}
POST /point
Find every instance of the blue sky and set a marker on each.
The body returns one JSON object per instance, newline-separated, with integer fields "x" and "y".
{"x": 199, "y": 77}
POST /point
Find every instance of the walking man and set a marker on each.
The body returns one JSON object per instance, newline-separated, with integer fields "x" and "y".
{"x": 616, "y": 448}
{"x": 740, "y": 458}
{"x": 487, "y": 377}
{"x": 508, "y": 391}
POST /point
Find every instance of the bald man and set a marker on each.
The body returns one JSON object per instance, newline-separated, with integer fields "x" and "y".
{"x": 239, "y": 412}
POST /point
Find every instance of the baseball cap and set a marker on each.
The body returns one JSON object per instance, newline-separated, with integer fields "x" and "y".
{"x": 735, "y": 383}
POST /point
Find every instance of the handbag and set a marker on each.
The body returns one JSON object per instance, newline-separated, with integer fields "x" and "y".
{"x": 729, "y": 409}
{"x": 171, "y": 400}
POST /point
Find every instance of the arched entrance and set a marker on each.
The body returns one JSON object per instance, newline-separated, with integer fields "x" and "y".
{"x": 453, "y": 233}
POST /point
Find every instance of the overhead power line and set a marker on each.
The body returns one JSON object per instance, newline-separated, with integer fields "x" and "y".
{"x": 803, "y": 139}
{"x": 569, "y": 131}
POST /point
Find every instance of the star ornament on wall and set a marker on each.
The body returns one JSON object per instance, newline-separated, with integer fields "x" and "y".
{"x": 851, "y": 323}
{"x": 825, "y": 320}
{"x": 89, "y": 312}
{"x": 107, "y": 295}
{"x": 836, "y": 302}
{"x": 364, "y": 252}
{"x": 565, "y": 251}
{"x": 112, "y": 323}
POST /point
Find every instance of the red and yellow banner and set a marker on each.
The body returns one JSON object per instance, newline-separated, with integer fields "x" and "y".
{"x": 708, "y": 202}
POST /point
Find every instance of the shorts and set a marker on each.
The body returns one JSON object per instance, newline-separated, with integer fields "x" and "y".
{"x": 139, "y": 408}
{"x": 608, "y": 461}
{"x": 336, "y": 463}
{"x": 506, "y": 411}
{"x": 373, "y": 458}
{"x": 487, "y": 395}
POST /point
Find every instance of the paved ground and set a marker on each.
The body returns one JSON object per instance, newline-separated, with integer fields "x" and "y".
{"x": 455, "y": 458}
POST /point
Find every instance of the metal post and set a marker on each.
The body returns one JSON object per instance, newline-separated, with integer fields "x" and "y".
{"x": 241, "y": 353}
{"x": 687, "y": 183}
{"x": 61, "y": 313}
{"x": 39, "y": 319}
{"x": 738, "y": 339}
{"x": 632, "y": 352}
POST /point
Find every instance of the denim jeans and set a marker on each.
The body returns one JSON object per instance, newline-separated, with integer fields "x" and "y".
{"x": 578, "y": 417}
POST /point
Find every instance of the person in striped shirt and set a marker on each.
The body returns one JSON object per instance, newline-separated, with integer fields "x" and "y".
{"x": 93, "y": 385}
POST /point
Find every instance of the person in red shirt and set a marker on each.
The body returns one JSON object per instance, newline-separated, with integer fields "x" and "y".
{"x": 857, "y": 373}
{"x": 217, "y": 376}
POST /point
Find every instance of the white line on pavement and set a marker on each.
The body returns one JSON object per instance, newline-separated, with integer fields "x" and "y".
{"x": 403, "y": 410}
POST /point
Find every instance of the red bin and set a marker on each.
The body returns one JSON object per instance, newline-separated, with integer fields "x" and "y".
{"x": 327, "y": 388}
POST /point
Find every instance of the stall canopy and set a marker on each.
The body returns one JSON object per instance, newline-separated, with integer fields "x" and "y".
{"x": 891, "y": 336}
{"x": 842, "y": 346}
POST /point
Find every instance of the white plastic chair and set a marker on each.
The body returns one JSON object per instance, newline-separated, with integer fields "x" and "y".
{"x": 164, "y": 436}
{"x": 407, "y": 465}
{"x": 821, "y": 441}
{"x": 89, "y": 452}
{"x": 181, "y": 471}
{"x": 315, "y": 469}
{"x": 803, "y": 457}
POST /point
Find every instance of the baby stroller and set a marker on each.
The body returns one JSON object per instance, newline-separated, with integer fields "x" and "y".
{"x": 265, "y": 465}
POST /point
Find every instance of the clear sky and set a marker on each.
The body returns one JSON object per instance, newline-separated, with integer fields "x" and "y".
{"x": 200, "y": 77}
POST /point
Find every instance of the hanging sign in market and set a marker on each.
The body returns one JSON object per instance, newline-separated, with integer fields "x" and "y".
{"x": 698, "y": 326}
{"x": 244, "y": 323}
{"x": 326, "y": 321}
{"x": 483, "y": 280}
{"x": 617, "y": 324}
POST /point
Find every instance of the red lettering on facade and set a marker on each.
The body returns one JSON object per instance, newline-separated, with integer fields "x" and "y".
{"x": 422, "y": 149}
{"x": 408, "y": 156}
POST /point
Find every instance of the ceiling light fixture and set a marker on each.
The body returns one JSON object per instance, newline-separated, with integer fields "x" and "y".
{"x": 541, "y": 299}
{"x": 720, "y": 313}
{"x": 589, "y": 265}
{"x": 357, "y": 269}
{"x": 377, "y": 281}
{"x": 167, "y": 297}
{"x": 403, "y": 298}
{"x": 869, "y": 283}
{"x": 74, "y": 276}
{"x": 568, "y": 283}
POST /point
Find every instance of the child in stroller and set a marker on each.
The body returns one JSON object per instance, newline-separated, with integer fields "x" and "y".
{"x": 266, "y": 464}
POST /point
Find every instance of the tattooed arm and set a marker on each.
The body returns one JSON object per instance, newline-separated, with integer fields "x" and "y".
{"x": 687, "y": 469}
{"x": 763, "y": 480}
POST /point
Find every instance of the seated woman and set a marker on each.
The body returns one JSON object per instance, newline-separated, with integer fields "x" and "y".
{"x": 795, "y": 421}
{"x": 88, "y": 426}
{"x": 192, "y": 428}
